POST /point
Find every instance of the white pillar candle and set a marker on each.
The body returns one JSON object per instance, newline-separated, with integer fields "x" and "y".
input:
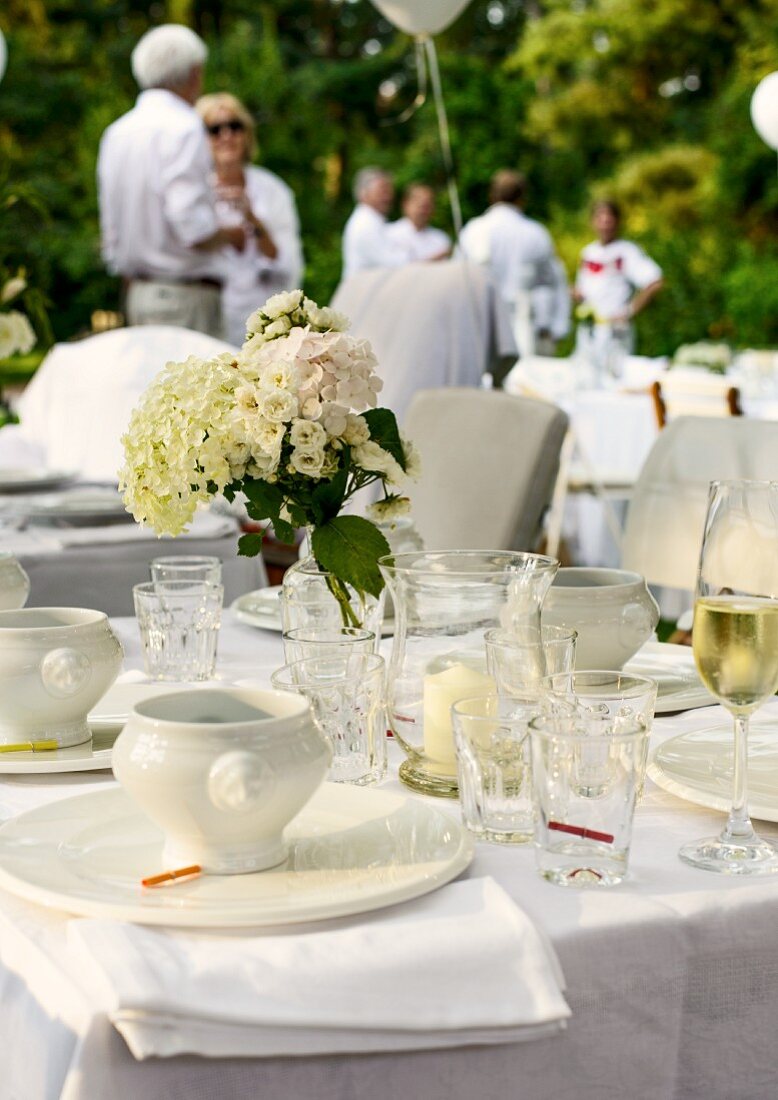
{"x": 441, "y": 691}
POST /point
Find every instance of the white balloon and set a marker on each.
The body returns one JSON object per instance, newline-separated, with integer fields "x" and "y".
{"x": 425, "y": 17}
{"x": 764, "y": 110}
{"x": 3, "y": 55}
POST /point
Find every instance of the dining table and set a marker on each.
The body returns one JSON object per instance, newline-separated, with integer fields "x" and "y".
{"x": 671, "y": 978}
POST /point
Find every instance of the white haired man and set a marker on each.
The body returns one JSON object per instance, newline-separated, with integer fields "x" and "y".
{"x": 157, "y": 217}
{"x": 365, "y": 240}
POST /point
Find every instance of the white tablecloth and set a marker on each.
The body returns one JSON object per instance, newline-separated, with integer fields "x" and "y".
{"x": 97, "y": 566}
{"x": 672, "y": 979}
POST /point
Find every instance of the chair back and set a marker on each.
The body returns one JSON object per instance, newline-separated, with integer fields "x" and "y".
{"x": 489, "y": 465}
{"x": 666, "y": 515}
{"x": 694, "y": 393}
{"x": 78, "y": 404}
{"x": 429, "y": 324}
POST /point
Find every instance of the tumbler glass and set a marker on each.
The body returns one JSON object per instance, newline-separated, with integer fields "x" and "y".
{"x": 186, "y": 567}
{"x": 515, "y": 664}
{"x": 314, "y": 641}
{"x": 179, "y": 627}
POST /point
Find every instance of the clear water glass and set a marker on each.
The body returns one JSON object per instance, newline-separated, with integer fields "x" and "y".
{"x": 494, "y": 766}
{"x": 305, "y": 642}
{"x": 346, "y": 692}
{"x": 179, "y": 627}
{"x": 587, "y": 770}
{"x": 186, "y": 567}
{"x": 515, "y": 663}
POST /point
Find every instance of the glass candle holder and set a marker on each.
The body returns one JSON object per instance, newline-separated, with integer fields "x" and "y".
{"x": 444, "y": 602}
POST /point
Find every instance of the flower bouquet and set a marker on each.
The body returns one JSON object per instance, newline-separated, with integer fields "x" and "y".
{"x": 290, "y": 422}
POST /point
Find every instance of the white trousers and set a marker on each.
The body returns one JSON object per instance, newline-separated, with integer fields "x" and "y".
{"x": 187, "y": 305}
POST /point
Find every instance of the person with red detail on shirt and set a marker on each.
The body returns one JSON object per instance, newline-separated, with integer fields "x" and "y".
{"x": 615, "y": 281}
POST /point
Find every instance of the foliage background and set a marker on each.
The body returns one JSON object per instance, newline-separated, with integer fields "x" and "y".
{"x": 645, "y": 100}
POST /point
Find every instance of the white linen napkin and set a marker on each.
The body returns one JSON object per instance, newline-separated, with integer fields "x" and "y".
{"x": 462, "y": 965}
{"x": 205, "y": 525}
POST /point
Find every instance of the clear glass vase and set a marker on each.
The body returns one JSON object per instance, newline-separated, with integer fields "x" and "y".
{"x": 444, "y": 603}
{"x": 314, "y": 599}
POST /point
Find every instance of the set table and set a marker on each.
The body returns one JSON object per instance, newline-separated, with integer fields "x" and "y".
{"x": 672, "y": 978}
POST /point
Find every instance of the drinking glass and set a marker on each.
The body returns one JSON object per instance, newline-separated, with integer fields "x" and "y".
{"x": 325, "y": 641}
{"x": 186, "y": 567}
{"x": 515, "y": 663}
{"x": 491, "y": 733}
{"x": 179, "y": 628}
{"x": 735, "y": 642}
{"x": 346, "y": 692}
{"x": 587, "y": 769}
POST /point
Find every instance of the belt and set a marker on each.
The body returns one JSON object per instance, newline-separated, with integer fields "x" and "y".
{"x": 213, "y": 283}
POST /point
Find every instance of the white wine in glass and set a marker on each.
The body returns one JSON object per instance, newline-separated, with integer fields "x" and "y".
{"x": 735, "y": 641}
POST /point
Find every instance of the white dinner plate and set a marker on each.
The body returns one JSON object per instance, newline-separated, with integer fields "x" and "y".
{"x": 673, "y": 668}
{"x": 73, "y": 508}
{"x": 262, "y": 608}
{"x": 697, "y": 766}
{"x": 33, "y": 479}
{"x": 351, "y": 849}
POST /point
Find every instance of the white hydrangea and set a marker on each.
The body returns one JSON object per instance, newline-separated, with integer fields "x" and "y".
{"x": 16, "y": 334}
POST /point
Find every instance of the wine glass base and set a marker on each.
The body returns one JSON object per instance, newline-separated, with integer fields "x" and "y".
{"x": 730, "y": 857}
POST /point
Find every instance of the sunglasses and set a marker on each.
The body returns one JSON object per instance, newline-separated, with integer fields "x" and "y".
{"x": 235, "y": 126}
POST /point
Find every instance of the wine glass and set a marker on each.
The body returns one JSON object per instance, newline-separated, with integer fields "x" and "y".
{"x": 735, "y": 640}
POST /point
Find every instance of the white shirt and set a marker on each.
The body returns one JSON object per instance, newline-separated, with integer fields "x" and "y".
{"x": 366, "y": 243}
{"x": 155, "y": 200}
{"x": 520, "y": 255}
{"x": 418, "y": 244}
{"x": 250, "y": 276}
{"x": 609, "y": 273}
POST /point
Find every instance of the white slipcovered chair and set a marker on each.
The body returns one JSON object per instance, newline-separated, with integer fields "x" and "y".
{"x": 77, "y": 406}
{"x": 430, "y": 324}
{"x": 489, "y": 464}
{"x": 666, "y": 515}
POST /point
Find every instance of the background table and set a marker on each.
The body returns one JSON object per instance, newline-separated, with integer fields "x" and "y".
{"x": 672, "y": 979}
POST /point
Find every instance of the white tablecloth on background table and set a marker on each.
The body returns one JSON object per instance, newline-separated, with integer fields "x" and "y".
{"x": 672, "y": 979}
{"x": 97, "y": 566}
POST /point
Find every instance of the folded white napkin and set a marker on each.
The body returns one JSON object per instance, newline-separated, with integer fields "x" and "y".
{"x": 462, "y": 965}
{"x": 205, "y": 525}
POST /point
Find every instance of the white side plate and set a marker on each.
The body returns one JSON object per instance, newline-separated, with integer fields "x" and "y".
{"x": 697, "y": 766}
{"x": 673, "y": 668}
{"x": 262, "y": 609}
{"x": 350, "y": 850}
{"x": 33, "y": 479}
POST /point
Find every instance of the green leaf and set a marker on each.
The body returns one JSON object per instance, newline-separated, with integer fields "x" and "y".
{"x": 283, "y": 531}
{"x": 384, "y": 432}
{"x": 349, "y": 547}
{"x": 265, "y": 499}
{"x": 250, "y": 545}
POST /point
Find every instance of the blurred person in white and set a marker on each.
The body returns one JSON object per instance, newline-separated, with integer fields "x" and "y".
{"x": 157, "y": 214}
{"x": 258, "y": 202}
{"x": 366, "y": 243}
{"x": 523, "y": 263}
{"x": 413, "y": 233}
{"x": 615, "y": 281}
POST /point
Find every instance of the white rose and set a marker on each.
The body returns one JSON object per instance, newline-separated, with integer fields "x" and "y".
{"x": 307, "y": 434}
{"x": 278, "y": 328}
{"x": 375, "y": 459}
{"x": 412, "y": 459}
{"x": 385, "y": 511}
{"x": 267, "y": 436}
{"x": 308, "y": 461}
{"x": 356, "y": 431}
{"x": 281, "y": 304}
{"x": 278, "y": 405}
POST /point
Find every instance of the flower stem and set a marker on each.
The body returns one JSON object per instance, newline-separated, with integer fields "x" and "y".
{"x": 340, "y": 592}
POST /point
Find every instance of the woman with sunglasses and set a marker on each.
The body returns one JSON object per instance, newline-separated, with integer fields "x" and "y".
{"x": 261, "y": 203}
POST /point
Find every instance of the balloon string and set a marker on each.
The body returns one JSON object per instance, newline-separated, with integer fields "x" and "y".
{"x": 445, "y": 137}
{"x": 421, "y": 89}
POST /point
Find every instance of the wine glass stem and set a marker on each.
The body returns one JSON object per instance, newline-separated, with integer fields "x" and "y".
{"x": 738, "y": 827}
